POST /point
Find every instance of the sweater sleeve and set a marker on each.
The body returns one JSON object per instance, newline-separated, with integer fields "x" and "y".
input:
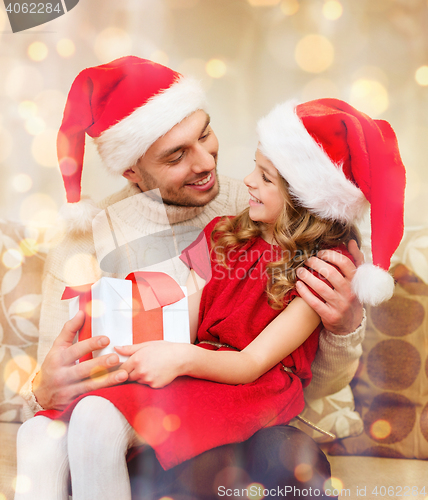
{"x": 337, "y": 357}
{"x": 336, "y": 361}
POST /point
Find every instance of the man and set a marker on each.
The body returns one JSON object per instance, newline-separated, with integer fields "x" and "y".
{"x": 150, "y": 126}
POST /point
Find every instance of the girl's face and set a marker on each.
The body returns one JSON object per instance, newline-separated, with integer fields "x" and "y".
{"x": 266, "y": 199}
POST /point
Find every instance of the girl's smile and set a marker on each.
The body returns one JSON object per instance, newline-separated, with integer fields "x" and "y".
{"x": 253, "y": 199}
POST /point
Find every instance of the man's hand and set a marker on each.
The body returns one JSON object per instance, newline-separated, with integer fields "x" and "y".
{"x": 156, "y": 363}
{"x": 60, "y": 380}
{"x": 341, "y": 313}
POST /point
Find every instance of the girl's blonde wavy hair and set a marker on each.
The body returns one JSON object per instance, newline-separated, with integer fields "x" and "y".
{"x": 298, "y": 232}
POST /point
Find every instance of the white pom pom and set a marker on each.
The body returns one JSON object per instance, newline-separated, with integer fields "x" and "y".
{"x": 78, "y": 216}
{"x": 372, "y": 285}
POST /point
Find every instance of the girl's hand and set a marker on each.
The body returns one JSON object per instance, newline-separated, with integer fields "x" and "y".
{"x": 156, "y": 363}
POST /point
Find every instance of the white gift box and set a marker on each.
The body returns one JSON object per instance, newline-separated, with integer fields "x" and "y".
{"x": 131, "y": 310}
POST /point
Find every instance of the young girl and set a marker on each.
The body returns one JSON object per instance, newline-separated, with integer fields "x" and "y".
{"x": 257, "y": 337}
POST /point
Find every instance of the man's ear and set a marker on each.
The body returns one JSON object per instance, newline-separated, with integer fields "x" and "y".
{"x": 132, "y": 175}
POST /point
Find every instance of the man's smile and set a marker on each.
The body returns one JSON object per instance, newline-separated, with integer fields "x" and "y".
{"x": 205, "y": 183}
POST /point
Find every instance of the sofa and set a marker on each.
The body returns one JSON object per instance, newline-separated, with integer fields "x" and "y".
{"x": 380, "y": 421}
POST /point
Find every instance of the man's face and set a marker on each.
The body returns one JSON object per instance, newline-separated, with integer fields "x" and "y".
{"x": 182, "y": 163}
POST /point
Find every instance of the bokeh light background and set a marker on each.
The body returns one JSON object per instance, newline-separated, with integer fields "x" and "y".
{"x": 249, "y": 54}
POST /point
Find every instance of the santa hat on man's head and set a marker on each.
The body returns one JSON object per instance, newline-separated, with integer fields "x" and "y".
{"x": 336, "y": 160}
{"x": 125, "y": 105}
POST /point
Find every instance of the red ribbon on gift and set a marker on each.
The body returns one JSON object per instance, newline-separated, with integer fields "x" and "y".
{"x": 150, "y": 292}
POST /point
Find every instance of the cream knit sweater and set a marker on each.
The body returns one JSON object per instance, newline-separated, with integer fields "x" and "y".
{"x": 74, "y": 261}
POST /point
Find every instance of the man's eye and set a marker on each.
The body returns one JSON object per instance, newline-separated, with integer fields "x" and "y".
{"x": 206, "y": 134}
{"x": 265, "y": 178}
{"x": 177, "y": 159}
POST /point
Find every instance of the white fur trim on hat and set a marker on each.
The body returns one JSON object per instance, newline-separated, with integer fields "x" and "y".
{"x": 124, "y": 143}
{"x": 78, "y": 216}
{"x": 372, "y": 285}
{"x": 315, "y": 181}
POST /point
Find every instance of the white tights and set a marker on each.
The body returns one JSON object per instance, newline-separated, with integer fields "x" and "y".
{"x": 92, "y": 447}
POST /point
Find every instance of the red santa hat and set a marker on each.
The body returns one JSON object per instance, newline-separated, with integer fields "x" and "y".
{"x": 125, "y": 105}
{"x": 336, "y": 161}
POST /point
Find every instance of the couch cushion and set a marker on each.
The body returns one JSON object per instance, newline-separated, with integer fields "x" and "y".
{"x": 334, "y": 413}
{"x": 21, "y": 266}
{"x": 391, "y": 385}
{"x": 8, "y": 432}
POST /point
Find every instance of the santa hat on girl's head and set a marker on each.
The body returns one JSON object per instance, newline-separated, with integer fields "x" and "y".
{"x": 336, "y": 160}
{"x": 125, "y": 105}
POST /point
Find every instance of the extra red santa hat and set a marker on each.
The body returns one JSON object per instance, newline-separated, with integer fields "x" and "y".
{"x": 125, "y": 105}
{"x": 336, "y": 160}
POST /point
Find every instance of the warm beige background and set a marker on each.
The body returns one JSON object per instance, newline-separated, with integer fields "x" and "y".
{"x": 365, "y": 51}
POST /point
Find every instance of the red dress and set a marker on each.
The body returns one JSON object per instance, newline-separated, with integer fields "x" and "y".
{"x": 190, "y": 416}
